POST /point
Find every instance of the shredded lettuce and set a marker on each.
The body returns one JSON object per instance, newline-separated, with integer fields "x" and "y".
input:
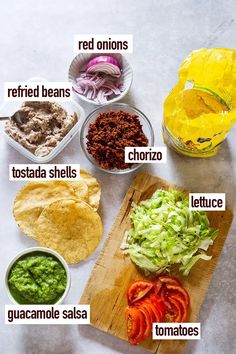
{"x": 165, "y": 232}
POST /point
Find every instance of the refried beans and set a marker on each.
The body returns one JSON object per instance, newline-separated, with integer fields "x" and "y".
{"x": 45, "y": 125}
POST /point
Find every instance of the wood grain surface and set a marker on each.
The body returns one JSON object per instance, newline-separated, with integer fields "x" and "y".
{"x": 113, "y": 272}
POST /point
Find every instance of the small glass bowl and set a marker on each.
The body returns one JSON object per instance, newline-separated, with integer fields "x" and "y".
{"x": 116, "y": 107}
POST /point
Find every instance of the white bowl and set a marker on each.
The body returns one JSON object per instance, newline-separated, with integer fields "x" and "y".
{"x": 10, "y": 108}
{"x": 44, "y": 250}
{"x": 79, "y": 64}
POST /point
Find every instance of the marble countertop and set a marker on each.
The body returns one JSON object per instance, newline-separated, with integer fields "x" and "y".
{"x": 37, "y": 40}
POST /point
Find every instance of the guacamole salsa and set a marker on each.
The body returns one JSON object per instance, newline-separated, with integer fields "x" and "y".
{"x": 37, "y": 278}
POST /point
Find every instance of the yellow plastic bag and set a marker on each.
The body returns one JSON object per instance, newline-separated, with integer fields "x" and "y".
{"x": 201, "y": 109}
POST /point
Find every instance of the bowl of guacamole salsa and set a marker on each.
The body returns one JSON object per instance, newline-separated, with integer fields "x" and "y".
{"x": 37, "y": 276}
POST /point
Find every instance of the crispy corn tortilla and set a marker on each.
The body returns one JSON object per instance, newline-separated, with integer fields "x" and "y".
{"x": 87, "y": 189}
{"x": 33, "y": 198}
{"x": 81, "y": 189}
{"x": 94, "y": 188}
{"x": 70, "y": 227}
{"x": 196, "y": 102}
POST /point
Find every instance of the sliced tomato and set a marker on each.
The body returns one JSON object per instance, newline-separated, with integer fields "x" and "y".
{"x": 135, "y": 324}
{"x": 133, "y": 321}
{"x": 176, "y": 299}
{"x": 164, "y": 300}
{"x": 173, "y": 285}
{"x": 158, "y": 285}
{"x": 159, "y": 303}
{"x": 155, "y": 309}
{"x": 147, "y": 306}
{"x": 183, "y": 304}
{"x": 166, "y": 279}
{"x": 178, "y": 289}
{"x": 138, "y": 290}
{"x": 147, "y": 316}
{"x": 176, "y": 310}
{"x": 164, "y": 297}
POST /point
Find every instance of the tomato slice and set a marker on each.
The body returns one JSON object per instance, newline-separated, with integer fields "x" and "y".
{"x": 132, "y": 321}
{"x": 147, "y": 316}
{"x": 138, "y": 290}
{"x": 164, "y": 297}
{"x": 145, "y": 304}
{"x": 157, "y": 287}
{"x": 176, "y": 299}
{"x": 168, "y": 279}
{"x": 135, "y": 324}
{"x": 173, "y": 285}
{"x": 178, "y": 289}
{"x": 159, "y": 303}
{"x": 177, "y": 309}
{"x": 155, "y": 309}
{"x": 183, "y": 304}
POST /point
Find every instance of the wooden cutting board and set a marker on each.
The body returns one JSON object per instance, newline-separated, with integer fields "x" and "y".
{"x": 113, "y": 272}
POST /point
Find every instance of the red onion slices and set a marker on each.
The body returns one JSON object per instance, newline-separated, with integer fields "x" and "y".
{"x": 104, "y": 64}
{"x": 101, "y": 81}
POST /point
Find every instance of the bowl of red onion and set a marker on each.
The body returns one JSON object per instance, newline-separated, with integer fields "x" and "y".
{"x": 100, "y": 79}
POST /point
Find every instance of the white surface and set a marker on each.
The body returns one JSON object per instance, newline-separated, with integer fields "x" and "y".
{"x": 37, "y": 40}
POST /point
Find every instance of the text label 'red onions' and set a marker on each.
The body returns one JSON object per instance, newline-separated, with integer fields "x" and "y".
{"x": 109, "y": 43}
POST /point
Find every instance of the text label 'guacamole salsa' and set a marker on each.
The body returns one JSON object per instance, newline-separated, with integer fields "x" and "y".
{"x": 37, "y": 278}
